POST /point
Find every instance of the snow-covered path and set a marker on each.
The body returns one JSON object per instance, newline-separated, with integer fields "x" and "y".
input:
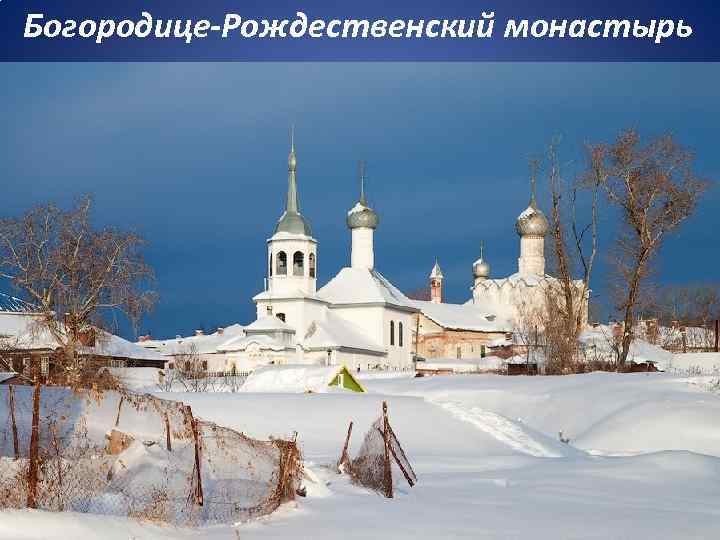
{"x": 503, "y": 429}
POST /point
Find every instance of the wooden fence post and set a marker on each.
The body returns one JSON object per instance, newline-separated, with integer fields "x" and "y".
{"x": 345, "y": 457}
{"x": 387, "y": 472}
{"x": 197, "y": 492}
{"x": 16, "y": 446}
{"x": 117, "y": 418}
{"x": 168, "y": 443}
{"x": 34, "y": 450}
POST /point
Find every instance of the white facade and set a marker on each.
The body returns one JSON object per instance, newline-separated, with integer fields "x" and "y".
{"x": 362, "y": 253}
{"x": 292, "y": 264}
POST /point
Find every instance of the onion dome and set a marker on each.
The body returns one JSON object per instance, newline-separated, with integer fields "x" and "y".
{"x": 292, "y": 220}
{"x": 532, "y": 222}
{"x": 361, "y": 215}
{"x": 481, "y": 269}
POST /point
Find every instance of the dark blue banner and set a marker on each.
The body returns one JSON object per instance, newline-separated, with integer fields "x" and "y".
{"x": 370, "y": 30}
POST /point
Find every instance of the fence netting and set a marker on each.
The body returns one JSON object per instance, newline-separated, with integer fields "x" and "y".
{"x": 379, "y": 460}
{"x": 125, "y": 454}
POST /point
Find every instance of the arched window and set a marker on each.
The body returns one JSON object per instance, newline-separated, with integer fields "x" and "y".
{"x": 392, "y": 332}
{"x": 311, "y": 264}
{"x": 281, "y": 316}
{"x": 400, "y": 334}
{"x": 281, "y": 264}
{"x": 270, "y": 265}
{"x": 298, "y": 264}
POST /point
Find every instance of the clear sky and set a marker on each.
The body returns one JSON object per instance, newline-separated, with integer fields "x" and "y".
{"x": 194, "y": 157}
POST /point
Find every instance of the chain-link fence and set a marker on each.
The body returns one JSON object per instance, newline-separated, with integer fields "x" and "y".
{"x": 135, "y": 455}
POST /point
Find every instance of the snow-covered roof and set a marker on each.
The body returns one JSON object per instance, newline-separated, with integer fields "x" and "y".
{"x": 269, "y": 323}
{"x": 291, "y": 379}
{"x": 24, "y": 331}
{"x": 467, "y": 365}
{"x": 463, "y": 317}
{"x": 296, "y": 294}
{"x": 436, "y": 272}
{"x": 363, "y": 286}
{"x": 202, "y": 344}
{"x": 517, "y": 279}
{"x": 333, "y": 332}
{"x": 241, "y": 343}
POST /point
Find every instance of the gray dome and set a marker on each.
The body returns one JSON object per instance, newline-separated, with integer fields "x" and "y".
{"x": 481, "y": 269}
{"x": 532, "y": 222}
{"x": 362, "y": 216}
{"x": 293, "y": 223}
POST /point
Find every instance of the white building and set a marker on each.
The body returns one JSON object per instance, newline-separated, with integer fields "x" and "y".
{"x": 358, "y": 318}
{"x": 518, "y": 294}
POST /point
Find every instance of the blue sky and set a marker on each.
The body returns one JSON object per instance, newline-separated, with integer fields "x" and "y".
{"x": 194, "y": 157}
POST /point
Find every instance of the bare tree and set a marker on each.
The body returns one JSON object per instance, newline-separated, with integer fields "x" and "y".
{"x": 655, "y": 188}
{"x": 572, "y": 251}
{"x": 79, "y": 278}
{"x": 191, "y": 370}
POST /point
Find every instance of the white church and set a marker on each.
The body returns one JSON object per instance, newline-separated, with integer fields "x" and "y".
{"x": 359, "y": 318}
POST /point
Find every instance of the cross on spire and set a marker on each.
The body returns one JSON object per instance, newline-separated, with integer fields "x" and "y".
{"x": 533, "y": 180}
{"x": 361, "y": 167}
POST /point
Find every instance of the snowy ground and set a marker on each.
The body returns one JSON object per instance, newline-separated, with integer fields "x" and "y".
{"x": 643, "y": 461}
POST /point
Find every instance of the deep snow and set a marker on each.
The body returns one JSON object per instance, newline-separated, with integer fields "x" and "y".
{"x": 643, "y": 461}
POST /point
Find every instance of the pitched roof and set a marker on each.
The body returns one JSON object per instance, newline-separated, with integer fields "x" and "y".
{"x": 464, "y": 317}
{"x": 24, "y": 331}
{"x": 203, "y": 344}
{"x": 363, "y": 286}
{"x": 269, "y": 323}
{"x": 240, "y": 343}
{"x": 436, "y": 272}
{"x": 334, "y": 332}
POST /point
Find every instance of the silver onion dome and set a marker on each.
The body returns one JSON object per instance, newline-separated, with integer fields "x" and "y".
{"x": 361, "y": 215}
{"x": 532, "y": 222}
{"x": 481, "y": 269}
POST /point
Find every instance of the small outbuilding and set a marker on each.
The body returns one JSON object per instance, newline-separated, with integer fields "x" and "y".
{"x": 301, "y": 379}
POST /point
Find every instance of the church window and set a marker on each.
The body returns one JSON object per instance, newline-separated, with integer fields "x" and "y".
{"x": 298, "y": 264}
{"x": 281, "y": 264}
{"x": 281, "y": 316}
{"x": 459, "y": 352}
{"x": 400, "y": 334}
{"x": 392, "y": 332}
{"x": 311, "y": 264}
{"x": 271, "y": 265}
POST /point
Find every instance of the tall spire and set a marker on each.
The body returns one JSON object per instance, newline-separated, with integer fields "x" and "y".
{"x": 482, "y": 249}
{"x": 293, "y": 206}
{"x": 363, "y": 200}
{"x": 292, "y": 221}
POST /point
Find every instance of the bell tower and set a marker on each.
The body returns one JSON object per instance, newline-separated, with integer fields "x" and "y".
{"x": 292, "y": 251}
{"x": 436, "y": 279}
